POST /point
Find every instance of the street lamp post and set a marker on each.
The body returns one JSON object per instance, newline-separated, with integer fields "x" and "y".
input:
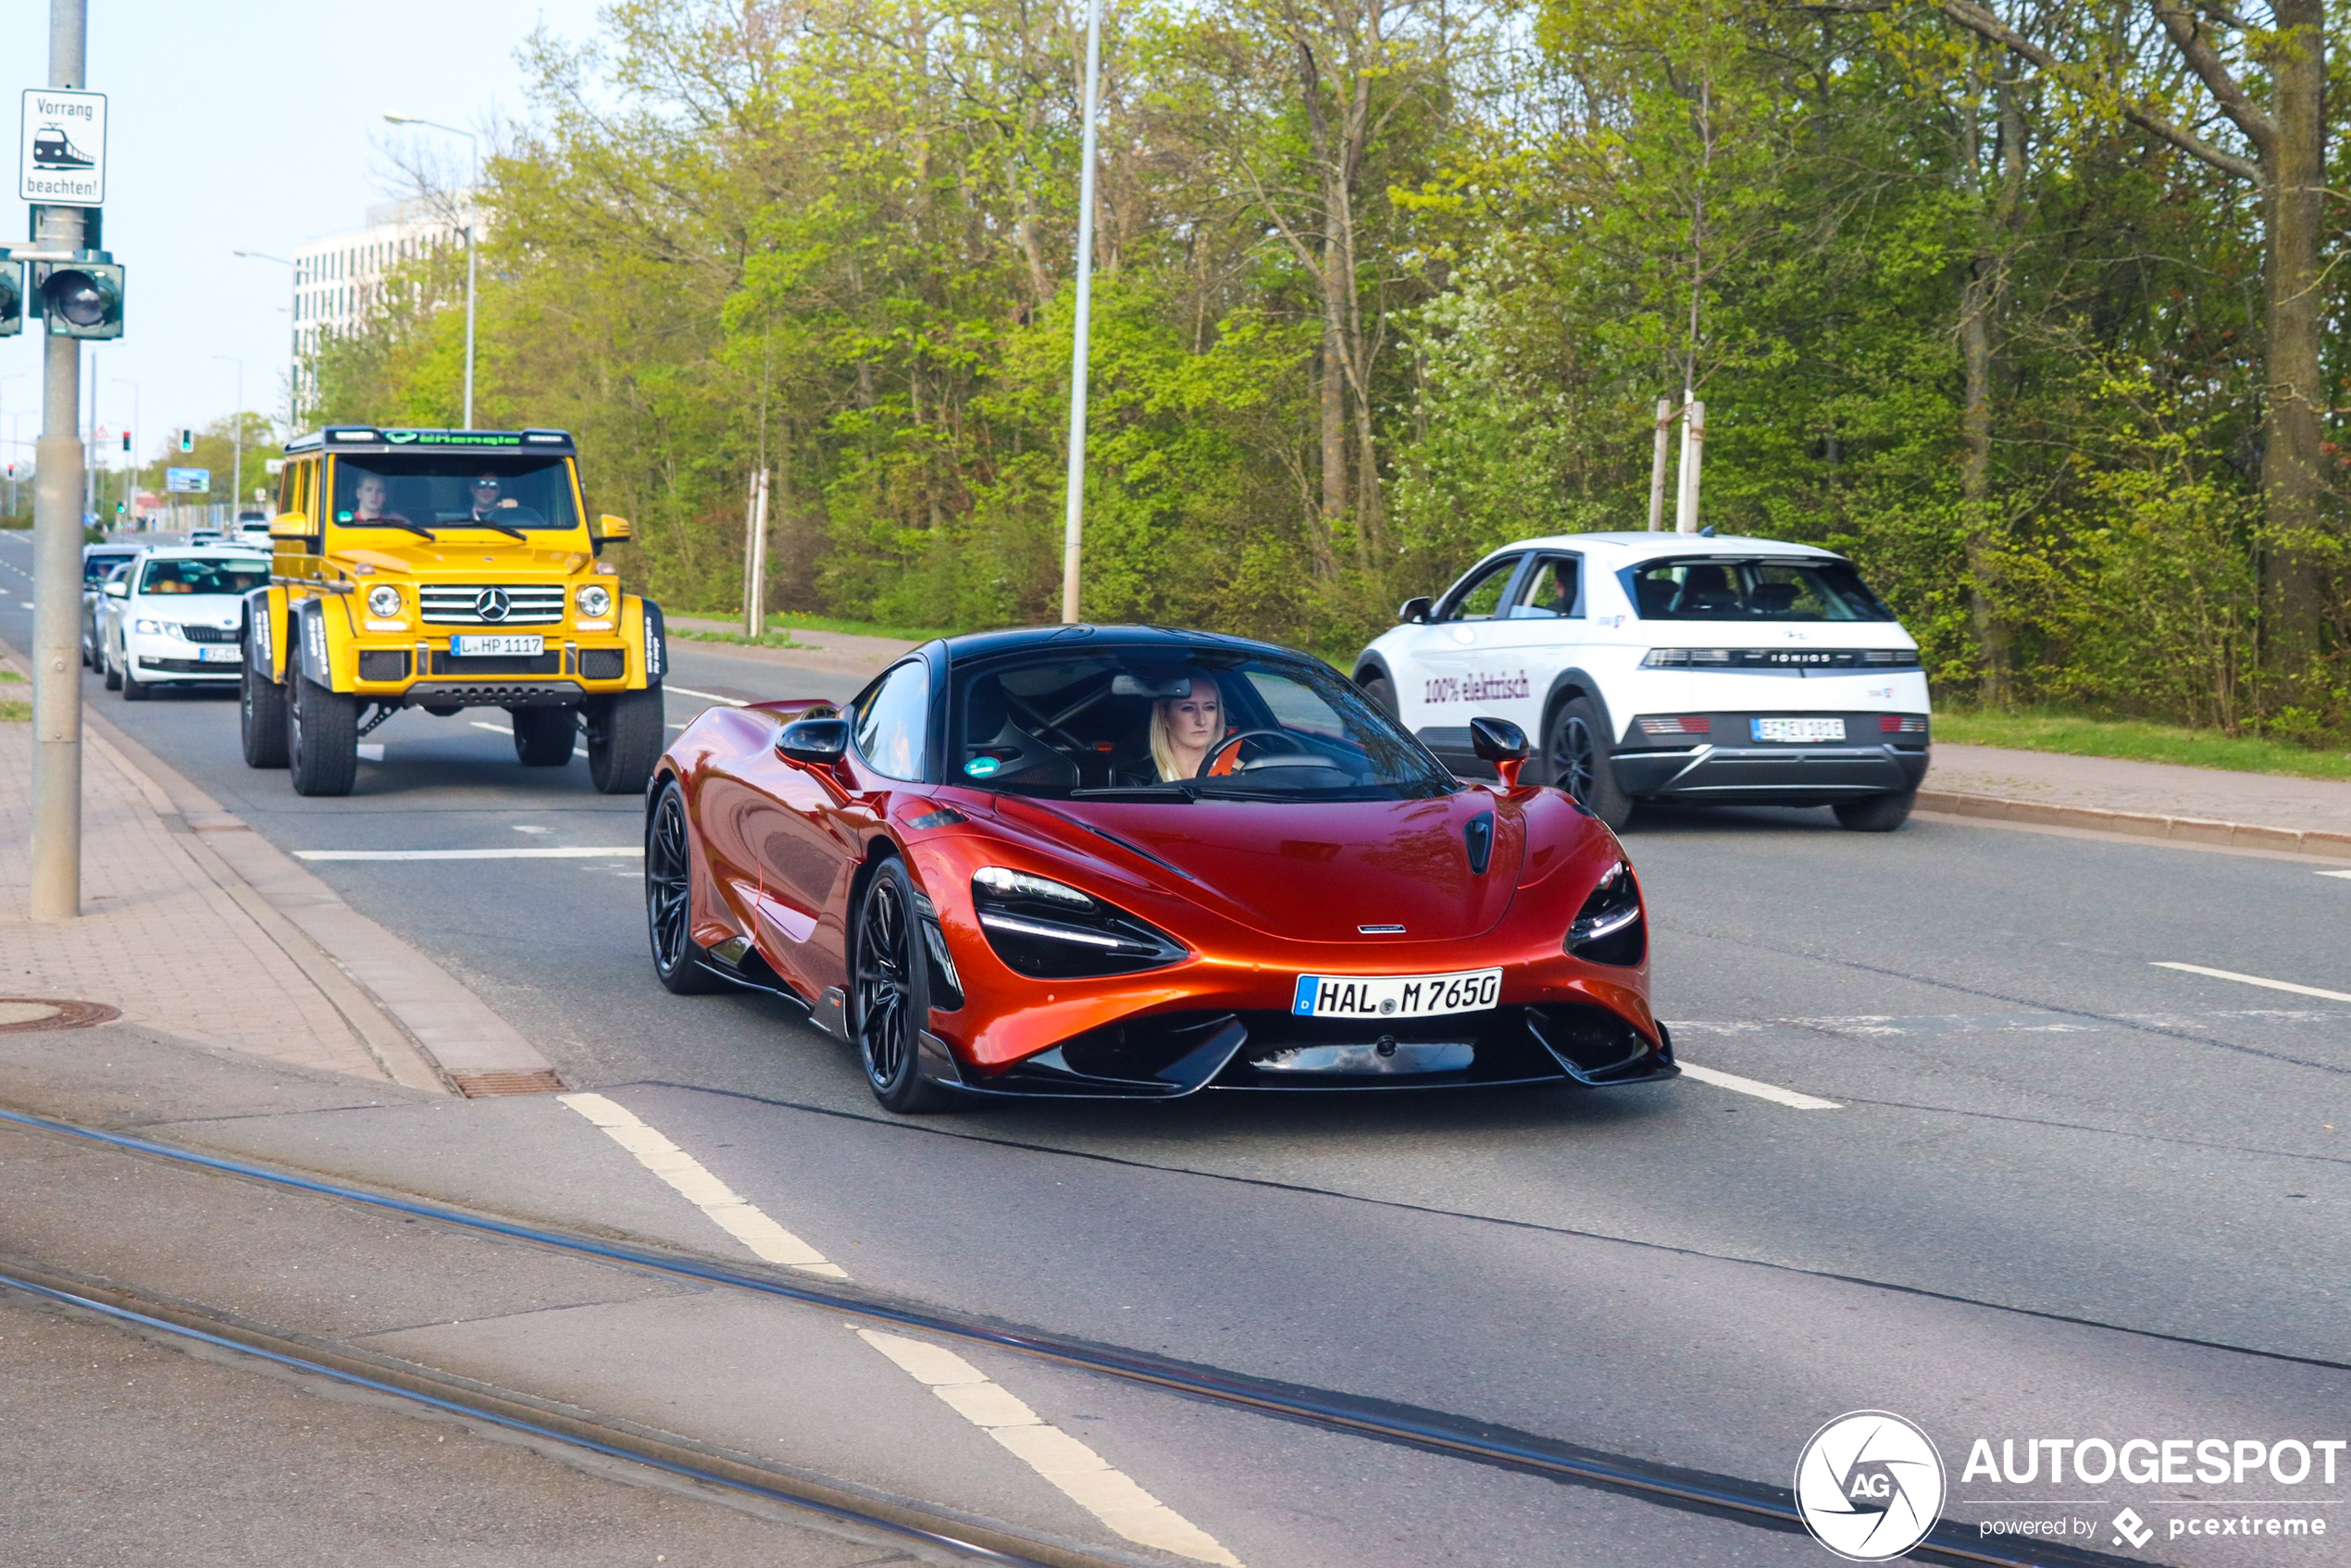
{"x": 237, "y": 463}
{"x": 293, "y": 369}
{"x": 1074, "y": 530}
{"x": 14, "y": 376}
{"x": 467, "y": 229}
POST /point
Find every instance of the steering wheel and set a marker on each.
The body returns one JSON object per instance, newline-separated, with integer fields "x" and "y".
{"x": 1224, "y": 758}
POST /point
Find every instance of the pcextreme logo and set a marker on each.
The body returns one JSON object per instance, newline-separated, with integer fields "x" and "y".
{"x": 1869, "y": 1485}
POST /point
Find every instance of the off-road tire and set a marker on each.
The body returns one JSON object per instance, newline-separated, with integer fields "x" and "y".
{"x": 890, "y": 993}
{"x": 322, "y": 739}
{"x": 261, "y": 719}
{"x": 544, "y": 737}
{"x": 625, "y": 740}
{"x": 1576, "y": 757}
{"x": 669, "y": 898}
{"x": 1876, "y": 814}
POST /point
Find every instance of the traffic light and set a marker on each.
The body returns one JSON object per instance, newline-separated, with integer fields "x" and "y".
{"x": 80, "y": 299}
{"x": 187, "y": 438}
{"x": 125, "y": 443}
{"x": 11, "y": 300}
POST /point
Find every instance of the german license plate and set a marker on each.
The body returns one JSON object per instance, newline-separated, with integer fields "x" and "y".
{"x": 219, "y": 655}
{"x": 1800, "y": 729}
{"x": 1396, "y": 996}
{"x": 508, "y": 646}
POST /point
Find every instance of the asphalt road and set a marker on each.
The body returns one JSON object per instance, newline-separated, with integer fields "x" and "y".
{"x": 2063, "y": 1191}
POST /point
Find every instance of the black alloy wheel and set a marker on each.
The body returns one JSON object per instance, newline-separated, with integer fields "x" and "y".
{"x": 892, "y": 994}
{"x": 1577, "y": 756}
{"x": 261, "y": 719}
{"x": 669, "y": 898}
{"x": 322, "y": 739}
{"x": 544, "y": 737}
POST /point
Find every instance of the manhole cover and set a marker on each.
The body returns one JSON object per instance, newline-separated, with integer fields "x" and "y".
{"x": 21, "y": 1014}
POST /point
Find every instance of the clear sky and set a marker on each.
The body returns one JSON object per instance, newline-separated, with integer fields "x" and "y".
{"x": 247, "y": 126}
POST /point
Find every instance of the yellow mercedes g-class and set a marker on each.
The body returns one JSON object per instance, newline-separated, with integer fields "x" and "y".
{"x": 446, "y": 570}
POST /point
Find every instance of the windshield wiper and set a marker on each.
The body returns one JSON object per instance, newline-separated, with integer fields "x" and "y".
{"x": 502, "y": 528}
{"x": 412, "y": 528}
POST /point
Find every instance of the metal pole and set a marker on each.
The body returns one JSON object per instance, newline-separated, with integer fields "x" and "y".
{"x": 1693, "y": 449}
{"x": 1074, "y": 531}
{"x": 1657, "y": 467}
{"x": 56, "y": 548}
{"x": 138, "y": 434}
{"x": 755, "y": 563}
{"x": 237, "y": 463}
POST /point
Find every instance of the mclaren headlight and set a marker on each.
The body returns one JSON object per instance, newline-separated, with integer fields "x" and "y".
{"x": 1050, "y": 930}
{"x": 1609, "y": 929}
{"x": 383, "y": 601}
{"x": 595, "y": 601}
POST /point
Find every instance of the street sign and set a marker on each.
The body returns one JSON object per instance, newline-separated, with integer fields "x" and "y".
{"x": 188, "y": 481}
{"x": 62, "y": 157}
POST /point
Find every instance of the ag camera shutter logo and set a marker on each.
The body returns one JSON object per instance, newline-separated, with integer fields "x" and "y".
{"x": 1869, "y": 1485}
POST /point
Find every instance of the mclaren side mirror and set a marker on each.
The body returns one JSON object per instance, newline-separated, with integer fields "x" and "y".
{"x": 820, "y": 742}
{"x": 116, "y": 591}
{"x": 1499, "y": 741}
{"x": 1414, "y": 611}
{"x": 291, "y": 525}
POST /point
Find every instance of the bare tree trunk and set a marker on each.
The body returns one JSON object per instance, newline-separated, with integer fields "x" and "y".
{"x": 2291, "y": 479}
{"x": 1982, "y": 286}
{"x": 1333, "y": 400}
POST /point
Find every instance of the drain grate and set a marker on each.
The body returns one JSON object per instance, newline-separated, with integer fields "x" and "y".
{"x": 22, "y": 1014}
{"x": 483, "y": 1086}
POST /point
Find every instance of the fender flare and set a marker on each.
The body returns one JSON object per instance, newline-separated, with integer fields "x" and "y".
{"x": 306, "y": 652}
{"x": 1369, "y": 664}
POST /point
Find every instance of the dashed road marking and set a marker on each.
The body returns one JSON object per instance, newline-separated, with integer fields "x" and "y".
{"x": 1772, "y": 1092}
{"x": 2335, "y": 873}
{"x": 733, "y": 1213}
{"x": 565, "y": 852}
{"x": 2255, "y": 979}
{"x": 1085, "y": 1477}
{"x": 507, "y": 729}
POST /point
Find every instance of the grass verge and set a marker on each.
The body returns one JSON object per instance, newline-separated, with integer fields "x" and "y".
{"x": 785, "y": 620}
{"x": 773, "y": 639}
{"x": 2137, "y": 741}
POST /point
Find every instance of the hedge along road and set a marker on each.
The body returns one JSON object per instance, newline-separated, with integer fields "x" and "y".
{"x": 2055, "y": 1177}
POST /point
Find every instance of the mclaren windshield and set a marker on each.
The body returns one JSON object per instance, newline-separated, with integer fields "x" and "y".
{"x": 1147, "y": 725}
{"x": 427, "y": 491}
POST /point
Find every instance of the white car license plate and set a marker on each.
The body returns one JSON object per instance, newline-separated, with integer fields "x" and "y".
{"x": 508, "y": 646}
{"x": 1800, "y": 729}
{"x": 1396, "y": 996}
{"x": 219, "y": 655}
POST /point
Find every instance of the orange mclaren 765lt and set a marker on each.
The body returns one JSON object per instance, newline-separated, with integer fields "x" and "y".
{"x": 1137, "y": 862}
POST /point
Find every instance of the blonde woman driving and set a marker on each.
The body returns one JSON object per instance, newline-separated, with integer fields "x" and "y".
{"x": 1183, "y": 729}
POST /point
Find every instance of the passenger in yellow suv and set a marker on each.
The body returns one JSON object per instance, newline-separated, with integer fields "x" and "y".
{"x": 446, "y": 570}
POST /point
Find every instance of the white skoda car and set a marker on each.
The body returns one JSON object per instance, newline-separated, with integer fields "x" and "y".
{"x": 1670, "y": 667}
{"x": 178, "y": 615}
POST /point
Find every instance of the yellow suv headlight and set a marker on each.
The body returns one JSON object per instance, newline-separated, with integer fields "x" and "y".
{"x": 595, "y": 600}
{"x": 383, "y": 601}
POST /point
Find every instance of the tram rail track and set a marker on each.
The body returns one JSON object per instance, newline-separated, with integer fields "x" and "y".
{"x": 1436, "y": 1432}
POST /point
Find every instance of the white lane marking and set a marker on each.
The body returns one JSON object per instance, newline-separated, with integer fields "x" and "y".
{"x": 1772, "y": 1092}
{"x": 371, "y": 750}
{"x": 728, "y": 1210}
{"x": 502, "y": 729}
{"x": 707, "y": 696}
{"x": 565, "y": 851}
{"x": 2256, "y": 980}
{"x": 2335, "y": 873}
{"x": 29, "y": 605}
{"x": 1085, "y": 1477}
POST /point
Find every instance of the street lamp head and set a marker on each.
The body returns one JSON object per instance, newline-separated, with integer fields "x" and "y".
{"x": 402, "y": 119}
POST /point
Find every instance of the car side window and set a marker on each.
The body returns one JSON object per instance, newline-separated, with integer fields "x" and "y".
{"x": 893, "y": 722}
{"x": 1553, "y": 591}
{"x": 1479, "y": 596}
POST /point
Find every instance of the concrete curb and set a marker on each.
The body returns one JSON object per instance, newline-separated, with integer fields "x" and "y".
{"x": 421, "y": 1023}
{"x": 2146, "y": 825}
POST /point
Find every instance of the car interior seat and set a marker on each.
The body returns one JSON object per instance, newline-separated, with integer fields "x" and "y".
{"x": 1023, "y": 758}
{"x": 1706, "y": 590}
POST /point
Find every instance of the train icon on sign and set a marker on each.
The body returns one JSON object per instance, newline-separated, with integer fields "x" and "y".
{"x": 52, "y": 148}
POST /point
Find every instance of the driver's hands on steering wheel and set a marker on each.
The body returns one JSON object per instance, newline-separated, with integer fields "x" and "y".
{"x": 1224, "y": 758}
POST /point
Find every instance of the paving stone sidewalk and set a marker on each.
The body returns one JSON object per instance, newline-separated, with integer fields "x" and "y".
{"x": 160, "y": 938}
{"x": 2140, "y": 794}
